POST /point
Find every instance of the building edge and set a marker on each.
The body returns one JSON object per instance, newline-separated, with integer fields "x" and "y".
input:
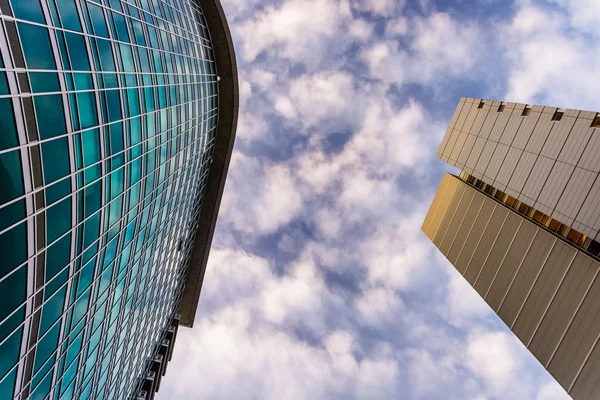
{"x": 228, "y": 98}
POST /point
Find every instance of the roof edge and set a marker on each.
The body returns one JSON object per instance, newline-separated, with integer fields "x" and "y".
{"x": 226, "y": 129}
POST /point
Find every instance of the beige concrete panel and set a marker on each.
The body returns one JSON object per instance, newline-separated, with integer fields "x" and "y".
{"x": 496, "y": 162}
{"x": 475, "y": 153}
{"x": 511, "y": 263}
{"x": 579, "y": 339}
{"x": 555, "y": 185}
{"x": 514, "y": 122}
{"x": 540, "y": 133}
{"x": 587, "y": 385}
{"x": 576, "y": 142}
{"x": 464, "y": 205}
{"x": 558, "y": 137}
{"x": 499, "y": 126}
{"x": 526, "y": 129}
{"x": 536, "y": 179}
{"x": 589, "y": 159}
{"x": 489, "y": 122}
{"x": 473, "y": 112}
{"x": 485, "y": 157}
{"x": 525, "y": 277}
{"x": 435, "y": 204}
{"x": 577, "y": 189}
{"x": 480, "y": 119}
{"x": 543, "y": 290}
{"x": 454, "y": 135}
{"x": 466, "y": 151}
{"x": 499, "y": 249}
{"x": 448, "y": 215}
{"x": 442, "y": 206}
{"x": 467, "y": 224}
{"x": 487, "y": 238}
{"x": 458, "y": 146}
{"x": 474, "y": 235}
{"x": 589, "y": 214}
{"x": 509, "y": 165}
{"x": 563, "y": 307}
{"x": 521, "y": 171}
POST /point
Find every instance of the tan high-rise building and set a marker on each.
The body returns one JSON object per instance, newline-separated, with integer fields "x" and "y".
{"x": 521, "y": 223}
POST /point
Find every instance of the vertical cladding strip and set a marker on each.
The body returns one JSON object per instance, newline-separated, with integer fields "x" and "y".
{"x": 514, "y": 115}
{"x": 491, "y": 247}
{"x": 503, "y": 258}
{"x": 446, "y": 248}
{"x": 452, "y": 202}
{"x": 517, "y": 271}
{"x": 442, "y": 148}
{"x": 444, "y": 203}
{"x": 533, "y": 284}
{"x": 5, "y": 53}
{"x": 436, "y": 203}
{"x": 562, "y": 279}
{"x": 465, "y": 132}
{"x": 587, "y": 357}
{"x": 591, "y": 283}
{"x": 470, "y": 229}
{"x": 474, "y": 131}
{"x": 479, "y": 240}
{"x": 456, "y": 131}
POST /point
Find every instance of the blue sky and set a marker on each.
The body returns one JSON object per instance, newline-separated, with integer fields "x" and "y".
{"x": 320, "y": 283}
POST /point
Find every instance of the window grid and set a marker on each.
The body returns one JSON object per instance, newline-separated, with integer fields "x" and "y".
{"x": 112, "y": 112}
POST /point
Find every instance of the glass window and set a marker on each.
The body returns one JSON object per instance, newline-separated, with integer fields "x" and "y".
{"x": 57, "y": 257}
{"x": 11, "y": 176}
{"x": 77, "y": 52}
{"x": 121, "y": 27}
{"x": 83, "y": 81}
{"x": 8, "y": 131}
{"x": 46, "y": 346}
{"x": 52, "y": 310}
{"x": 44, "y": 82}
{"x": 10, "y": 356}
{"x": 106, "y": 55}
{"x": 14, "y": 290}
{"x": 98, "y": 21}
{"x": 58, "y": 219}
{"x": 3, "y": 83}
{"x": 91, "y": 147}
{"x": 114, "y": 105}
{"x": 69, "y": 15}
{"x": 50, "y": 116}
{"x": 30, "y": 10}
{"x": 36, "y": 46}
{"x": 55, "y": 159}
{"x": 93, "y": 200}
{"x": 12, "y": 214}
{"x": 86, "y": 103}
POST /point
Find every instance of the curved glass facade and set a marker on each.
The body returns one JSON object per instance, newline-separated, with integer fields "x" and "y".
{"x": 108, "y": 113}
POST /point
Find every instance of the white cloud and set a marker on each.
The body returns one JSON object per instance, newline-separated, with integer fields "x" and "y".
{"x": 379, "y": 305}
{"x": 378, "y": 7}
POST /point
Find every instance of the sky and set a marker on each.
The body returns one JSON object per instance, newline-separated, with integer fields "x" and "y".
{"x": 320, "y": 284}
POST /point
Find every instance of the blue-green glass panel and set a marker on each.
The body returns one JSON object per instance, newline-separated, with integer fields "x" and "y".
{"x": 46, "y": 346}
{"x": 57, "y": 256}
{"x": 14, "y": 290}
{"x": 12, "y": 213}
{"x": 42, "y": 391}
{"x": 50, "y": 116}
{"x": 52, "y": 310}
{"x": 83, "y": 81}
{"x": 36, "y": 46}
{"x": 69, "y": 15}
{"x": 58, "y": 219}
{"x": 3, "y": 82}
{"x": 114, "y": 105}
{"x": 7, "y": 385}
{"x": 91, "y": 147}
{"x": 88, "y": 115}
{"x": 92, "y": 229}
{"x": 81, "y": 307}
{"x": 77, "y": 52}
{"x": 55, "y": 159}
{"x": 13, "y": 247}
{"x": 86, "y": 276}
{"x": 58, "y": 191}
{"x": 11, "y": 176}
{"x": 8, "y": 131}
{"x": 44, "y": 82}
{"x": 12, "y": 322}
{"x": 30, "y": 10}
{"x": 98, "y": 20}
{"x": 93, "y": 198}
{"x": 106, "y": 55}
{"x": 121, "y": 27}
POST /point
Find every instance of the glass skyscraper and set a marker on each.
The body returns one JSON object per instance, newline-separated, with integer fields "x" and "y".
{"x": 117, "y": 120}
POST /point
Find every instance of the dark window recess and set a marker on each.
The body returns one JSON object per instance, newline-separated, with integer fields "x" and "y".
{"x": 557, "y": 115}
{"x": 526, "y": 111}
{"x": 180, "y": 245}
{"x": 501, "y": 107}
{"x": 596, "y": 121}
{"x": 481, "y": 103}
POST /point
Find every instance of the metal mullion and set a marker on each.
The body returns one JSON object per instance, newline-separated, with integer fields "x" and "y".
{"x": 151, "y": 204}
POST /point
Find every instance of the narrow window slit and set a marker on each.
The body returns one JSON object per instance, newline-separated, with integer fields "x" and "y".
{"x": 558, "y": 114}
{"x": 526, "y": 111}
